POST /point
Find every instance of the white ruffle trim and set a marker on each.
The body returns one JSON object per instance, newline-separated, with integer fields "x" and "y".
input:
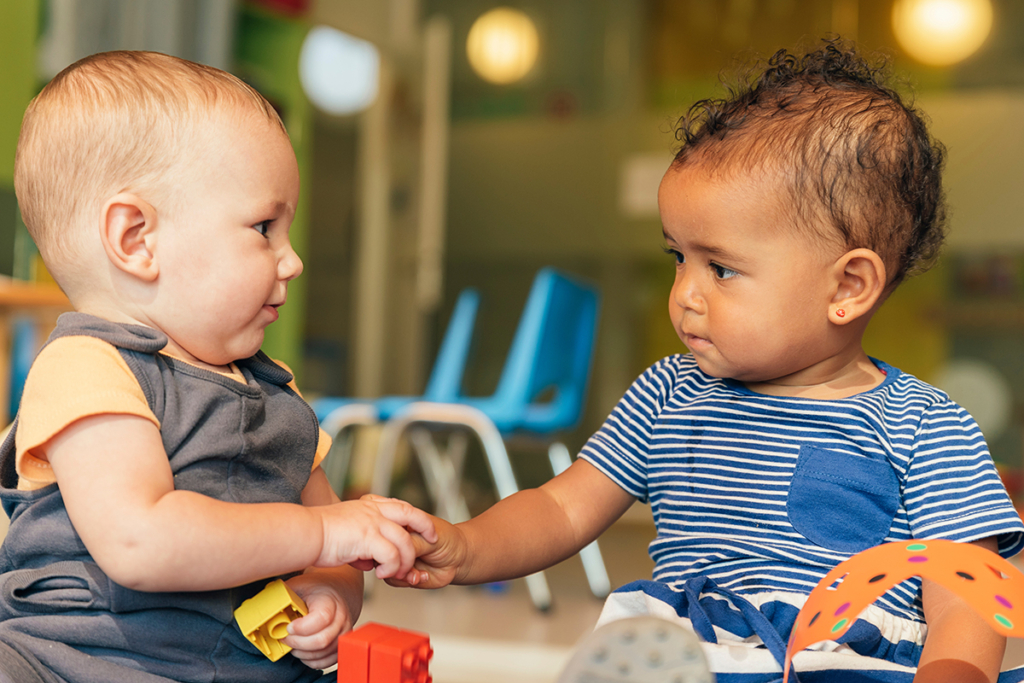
{"x": 733, "y": 654}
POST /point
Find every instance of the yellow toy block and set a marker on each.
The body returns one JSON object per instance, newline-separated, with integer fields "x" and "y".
{"x": 264, "y": 618}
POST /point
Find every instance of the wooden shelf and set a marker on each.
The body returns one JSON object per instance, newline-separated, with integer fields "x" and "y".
{"x": 15, "y": 294}
{"x": 43, "y": 303}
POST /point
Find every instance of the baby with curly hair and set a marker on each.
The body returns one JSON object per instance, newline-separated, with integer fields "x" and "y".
{"x": 777, "y": 448}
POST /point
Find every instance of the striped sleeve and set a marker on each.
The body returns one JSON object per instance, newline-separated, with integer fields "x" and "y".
{"x": 620, "y": 448}
{"x": 952, "y": 488}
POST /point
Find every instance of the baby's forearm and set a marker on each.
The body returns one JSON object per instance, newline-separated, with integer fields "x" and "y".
{"x": 119, "y": 492}
{"x": 189, "y": 542}
{"x": 519, "y": 535}
{"x": 960, "y": 648}
{"x": 535, "y": 529}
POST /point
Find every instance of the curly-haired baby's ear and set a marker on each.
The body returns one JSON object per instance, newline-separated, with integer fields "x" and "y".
{"x": 860, "y": 284}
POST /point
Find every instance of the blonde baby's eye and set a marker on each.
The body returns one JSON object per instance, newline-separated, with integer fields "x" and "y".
{"x": 263, "y": 227}
{"x": 723, "y": 273}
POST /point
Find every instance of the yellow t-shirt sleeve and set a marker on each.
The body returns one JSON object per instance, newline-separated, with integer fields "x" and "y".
{"x": 71, "y": 379}
{"x": 323, "y": 444}
{"x": 74, "y": 378}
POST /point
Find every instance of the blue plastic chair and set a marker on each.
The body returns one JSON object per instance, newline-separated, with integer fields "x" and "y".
{"x": 24, "y": 347}
{"x": 541, "y": 393}
{"x": 336, "y": 415}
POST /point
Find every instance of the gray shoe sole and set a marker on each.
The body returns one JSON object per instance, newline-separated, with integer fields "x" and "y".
{"x": 638, "y": 650}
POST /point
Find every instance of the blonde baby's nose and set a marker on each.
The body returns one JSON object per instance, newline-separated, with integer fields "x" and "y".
{"x": 290, "y": 266}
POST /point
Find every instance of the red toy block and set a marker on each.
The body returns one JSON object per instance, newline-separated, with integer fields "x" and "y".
{"x": 354, "y": 652}
{"x": 375, "y": 653}
{"x": 402, "y": 658}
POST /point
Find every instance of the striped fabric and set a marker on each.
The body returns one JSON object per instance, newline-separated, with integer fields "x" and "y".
{"x": 767, "y": 494}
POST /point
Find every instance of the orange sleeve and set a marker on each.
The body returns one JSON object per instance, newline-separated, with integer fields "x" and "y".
{"x": 323, "y": 444}
{"x": 72, "y": 378}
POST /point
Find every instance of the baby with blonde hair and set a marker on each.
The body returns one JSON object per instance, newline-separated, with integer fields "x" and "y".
{"x": 122, "y": 122}
{"x": 162, "y": 468}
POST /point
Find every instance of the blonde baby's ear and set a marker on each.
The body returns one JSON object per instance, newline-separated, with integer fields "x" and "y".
{"x": 859, "y": 285}
{"x": 128, "y": 232}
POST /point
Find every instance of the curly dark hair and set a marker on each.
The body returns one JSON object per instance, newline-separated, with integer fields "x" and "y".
{"x": 852, "y": 152}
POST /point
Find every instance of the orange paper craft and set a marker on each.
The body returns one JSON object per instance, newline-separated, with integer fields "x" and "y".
{"x": 985, "y": 581}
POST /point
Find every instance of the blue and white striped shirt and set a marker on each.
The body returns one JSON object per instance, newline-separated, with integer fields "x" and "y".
{"x": 766, "y": 493}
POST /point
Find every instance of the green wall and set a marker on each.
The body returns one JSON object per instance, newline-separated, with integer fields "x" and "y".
{"x": 19, "y": 27}
{"x": 18, "y": 30}
{"x": 267, "y": 57}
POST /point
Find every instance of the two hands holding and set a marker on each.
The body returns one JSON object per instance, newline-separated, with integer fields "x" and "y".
{"x": 387, "y": 536}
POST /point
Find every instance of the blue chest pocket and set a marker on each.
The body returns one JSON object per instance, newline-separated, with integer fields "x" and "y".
{"x": 842, "y": 501}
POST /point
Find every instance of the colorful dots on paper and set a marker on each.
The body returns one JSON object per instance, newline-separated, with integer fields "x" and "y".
{"x": 985, "y": 581}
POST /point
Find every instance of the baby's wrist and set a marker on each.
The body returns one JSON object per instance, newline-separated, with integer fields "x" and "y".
{"x": 319, "y": 536}
{"x": 462, "y": 556}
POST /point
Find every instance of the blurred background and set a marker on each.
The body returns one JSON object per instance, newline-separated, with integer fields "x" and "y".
{"x": 453, "y": 143}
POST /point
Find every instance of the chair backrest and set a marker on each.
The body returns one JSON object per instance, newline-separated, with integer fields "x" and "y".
{"x": 550, "y": 354}
{"x": 445, "y": 383}
{"x": 24, "y": 347}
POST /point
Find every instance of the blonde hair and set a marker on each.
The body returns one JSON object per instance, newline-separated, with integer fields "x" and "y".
{"x": 109, "y": 123}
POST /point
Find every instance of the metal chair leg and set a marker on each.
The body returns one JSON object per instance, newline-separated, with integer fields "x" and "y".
{"x": 441, "y": 475}
{"x": 494, "y": 450}
{"x": 590, "y": 555}
{"x": 339, "y": 420}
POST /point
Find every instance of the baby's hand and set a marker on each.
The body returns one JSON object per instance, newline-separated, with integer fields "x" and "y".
{"x": 373, "y": 532}
{"x": 314, "y": 637}
{"x": 439, "y": 563}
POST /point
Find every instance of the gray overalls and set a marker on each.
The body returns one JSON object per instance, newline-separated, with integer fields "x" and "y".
{"x": 65, "y": 619}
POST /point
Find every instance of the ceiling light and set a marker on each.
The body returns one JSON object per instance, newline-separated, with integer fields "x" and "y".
{"x": 941, "y": 32}
{"x": 502, "y": 45}
{"x": 339, "y": 72}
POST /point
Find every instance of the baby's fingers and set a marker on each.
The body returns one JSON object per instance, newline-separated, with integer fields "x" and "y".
{"x": 416, "y": 577}
{"x": 402, "y": 553}
{"x": 364, "y": 565}
{"x": 420, "y": 545}
{"x": 313, "y": 638}
{"x": 405, "y": 515}
{"x": 315, "y": 659}
{"x": 309, "y": 625}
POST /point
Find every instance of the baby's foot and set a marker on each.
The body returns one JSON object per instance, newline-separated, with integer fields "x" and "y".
{"x": 638, "y": 650}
